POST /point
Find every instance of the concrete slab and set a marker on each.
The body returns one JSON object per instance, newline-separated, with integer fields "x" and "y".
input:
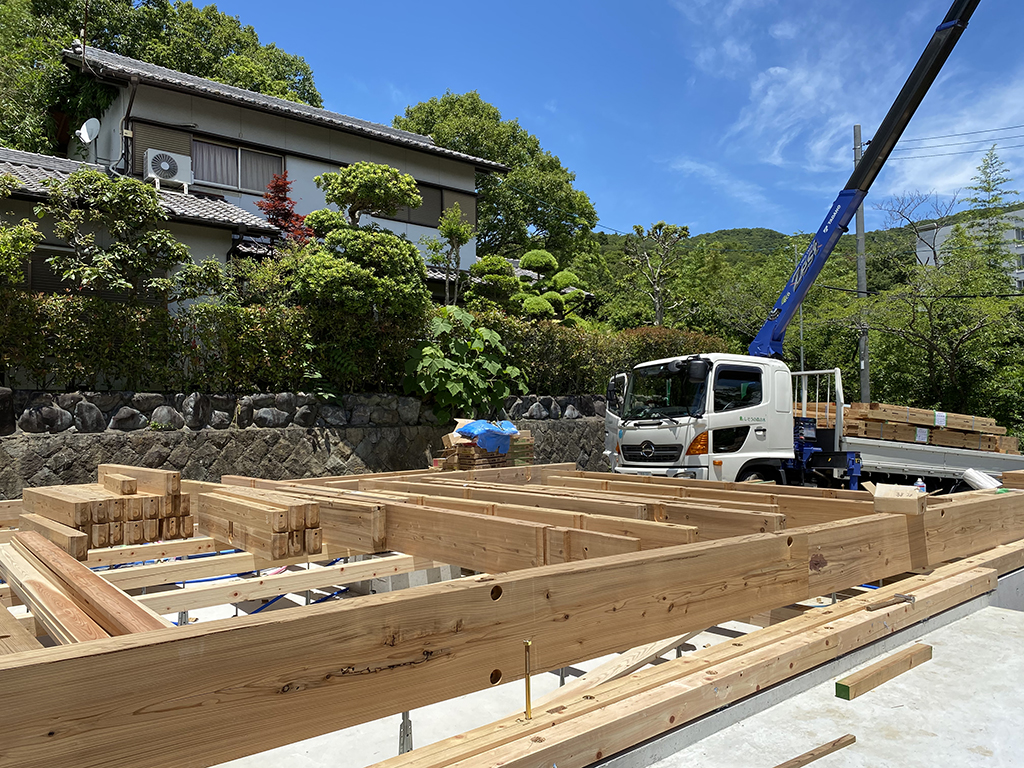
{"x": 962, "y": 708}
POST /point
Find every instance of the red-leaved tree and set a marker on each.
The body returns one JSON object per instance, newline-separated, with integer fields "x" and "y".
{"x": 279, "y": 208}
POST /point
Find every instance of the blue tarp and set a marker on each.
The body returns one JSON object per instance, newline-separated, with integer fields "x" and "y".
{"x": 489, "y": 435}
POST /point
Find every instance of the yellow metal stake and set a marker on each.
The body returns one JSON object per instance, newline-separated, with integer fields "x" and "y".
{"x": 529, "y": 708}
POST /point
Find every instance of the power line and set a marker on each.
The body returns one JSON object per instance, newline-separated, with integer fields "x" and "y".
{"x": 966, "y": 133}
{"x": 950, "y": 154}
{"x": 958, "y": 143}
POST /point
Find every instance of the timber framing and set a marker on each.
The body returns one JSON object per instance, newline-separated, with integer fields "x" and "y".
{"x": 580, "y": 564}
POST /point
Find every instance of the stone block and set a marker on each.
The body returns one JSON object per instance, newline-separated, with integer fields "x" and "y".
{"x": 89, "y": 418}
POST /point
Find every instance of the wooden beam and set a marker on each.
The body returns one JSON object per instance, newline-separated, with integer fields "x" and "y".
{"x": 198, "y": 545}
{"x": 825, "y": 749}
{"x": 206, "y": 595}
{"x": 566, "y": 545}
{"x": 14, "y": 638}
{"x": 525, "y": 495}
{"x": 120, "y": 484}
{"x": 371, "y": 656}
{"x": 854, "y": 685}
{"x": 107, "y": 605}
{"x": 159, "y": 481}
{"x": 199, "y": 568}
{"x": 651, "y": 534}
{"x": 480, "y": 542}
{"x": 718, "y": 523}
{"x": 864, "y": 549}
{"x": 51, "y": 605}
{"x": 71, "y": 540}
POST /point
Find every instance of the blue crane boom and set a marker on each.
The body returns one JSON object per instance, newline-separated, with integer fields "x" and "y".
{"x": 768, "y": 342}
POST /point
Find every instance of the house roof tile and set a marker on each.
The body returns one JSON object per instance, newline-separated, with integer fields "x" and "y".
{"x": 33, "y": 171}
{"x": 109, "y": 64}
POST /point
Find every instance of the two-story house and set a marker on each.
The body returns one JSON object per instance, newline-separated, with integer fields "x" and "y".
{"x": 226, "y": 143}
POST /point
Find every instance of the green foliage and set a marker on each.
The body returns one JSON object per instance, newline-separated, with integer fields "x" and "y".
{"x": 444, "y": 252}
{"x": 17, "y": 241}
{"x": 555, "y": 300}
{"x": 463, "y": 369}
{"x": 535, "y": 203}
{"x": 366, "y": 188}
{"x": 987, "y": 202}
{"x": 497, "y": 284}
{"x": 539, "y": 261}
{"x": 89, "y": 343}
{"x": 936, "y": 340}
{"x": 114, "y": 228}
{"x": 243, "y": 349}
{"x": 538, "y": 308}
{"x": 565, "y": 279}
{"x": 563, "y": 360}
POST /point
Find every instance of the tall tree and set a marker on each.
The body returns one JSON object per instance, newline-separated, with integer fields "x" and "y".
{"x": 654, "y": 257}
{"x": 988, "y": 201}
{"x": 42, "y": 99}
{"x": 535, "y": 204}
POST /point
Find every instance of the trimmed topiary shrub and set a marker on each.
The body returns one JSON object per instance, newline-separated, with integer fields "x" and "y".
{"x": 538, "y": 308}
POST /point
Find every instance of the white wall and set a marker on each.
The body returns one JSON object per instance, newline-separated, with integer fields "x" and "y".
{"x": 330, "y": 146}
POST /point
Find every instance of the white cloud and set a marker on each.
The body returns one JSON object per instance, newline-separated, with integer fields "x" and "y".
{"x": 718, "y": 178}
{"x": 551, "y": 106}
{"x": 784, "y": 30}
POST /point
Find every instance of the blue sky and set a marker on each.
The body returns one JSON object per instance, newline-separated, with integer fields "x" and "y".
{"x": 709, "y": 113}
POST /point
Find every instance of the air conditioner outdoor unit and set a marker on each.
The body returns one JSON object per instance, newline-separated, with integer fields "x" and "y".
{"x": 164, "y": 166}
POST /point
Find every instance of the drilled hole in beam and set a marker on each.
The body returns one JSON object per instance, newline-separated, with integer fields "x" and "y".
{"x": 495, "y": 677}
{"x": 495, "y": 592}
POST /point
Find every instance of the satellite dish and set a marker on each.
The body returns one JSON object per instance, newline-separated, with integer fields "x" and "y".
{"x": 89, "y": 131}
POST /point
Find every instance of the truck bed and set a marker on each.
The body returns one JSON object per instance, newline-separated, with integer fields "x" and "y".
{"x": 927, "y": 460}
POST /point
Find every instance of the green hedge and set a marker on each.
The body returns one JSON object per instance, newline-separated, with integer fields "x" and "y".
{"x": 559, "y": 360}
{"x": 73, "y": 342}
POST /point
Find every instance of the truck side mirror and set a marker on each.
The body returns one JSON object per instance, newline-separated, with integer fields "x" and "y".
{"x": 698, "y": 370}
{"x": 612, "y": 395}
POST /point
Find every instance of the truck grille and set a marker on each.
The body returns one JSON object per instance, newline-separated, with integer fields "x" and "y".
{"x": 649, "y": 452}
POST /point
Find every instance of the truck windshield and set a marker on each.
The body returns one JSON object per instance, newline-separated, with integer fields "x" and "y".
{"x": 656, "y": 392}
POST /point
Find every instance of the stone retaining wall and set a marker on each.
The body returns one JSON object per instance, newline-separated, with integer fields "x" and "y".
{"x": 31, "y": 459}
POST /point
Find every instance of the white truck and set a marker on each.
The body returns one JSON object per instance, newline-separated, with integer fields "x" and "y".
{"x": 730, "y": 417}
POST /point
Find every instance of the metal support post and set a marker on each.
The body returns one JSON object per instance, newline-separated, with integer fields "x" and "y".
{"x": 405, "y": 734}
{"x": 182, "y": 618}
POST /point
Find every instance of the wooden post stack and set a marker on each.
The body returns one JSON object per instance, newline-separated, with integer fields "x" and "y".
{"x": 128, "y": 505}
{"x": 269, "y": 524}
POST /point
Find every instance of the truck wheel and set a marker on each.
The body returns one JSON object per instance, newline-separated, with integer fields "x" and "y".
{"x": 757, "y": 473}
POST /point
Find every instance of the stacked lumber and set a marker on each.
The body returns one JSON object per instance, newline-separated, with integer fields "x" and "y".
{"x": 128, "y": 505}
{"x": 1013, "y": 479}
{"x": 521, "y": 450}
{"x": 71, "y": 602}
{"x": 881, "y": 421}
{"x": 269, "y": 524}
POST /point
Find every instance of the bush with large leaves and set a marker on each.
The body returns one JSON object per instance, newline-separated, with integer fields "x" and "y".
{"x": 464, "y": 369}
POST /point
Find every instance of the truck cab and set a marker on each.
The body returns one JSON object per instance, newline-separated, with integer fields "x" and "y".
{"x": 710, "y": 417}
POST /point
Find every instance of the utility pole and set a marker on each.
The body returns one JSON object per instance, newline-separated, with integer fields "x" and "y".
{"x": 862, "y": 280}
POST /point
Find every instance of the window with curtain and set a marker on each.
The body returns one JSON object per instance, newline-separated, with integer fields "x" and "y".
{"x": 215, "y": 163}
{"x": 258, "y": 168}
